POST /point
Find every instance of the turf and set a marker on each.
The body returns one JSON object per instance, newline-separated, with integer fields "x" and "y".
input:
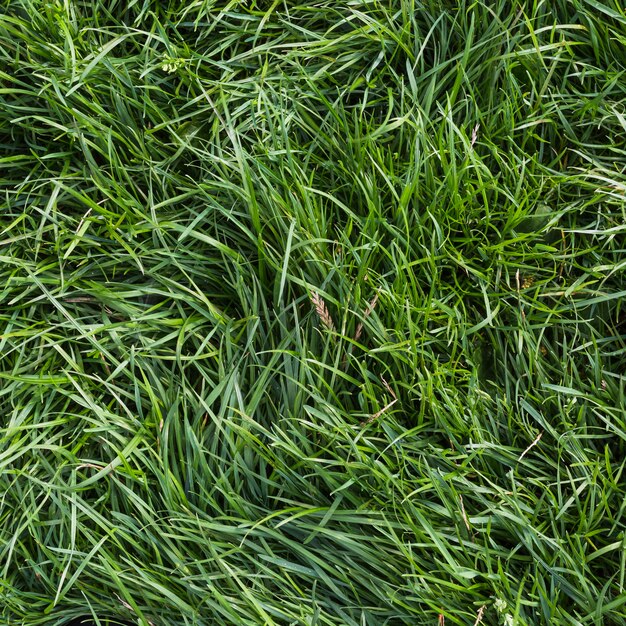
{"x": 312, "y": 313}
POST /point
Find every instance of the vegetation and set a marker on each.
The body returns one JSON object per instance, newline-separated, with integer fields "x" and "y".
{"x": 312, "y": 313}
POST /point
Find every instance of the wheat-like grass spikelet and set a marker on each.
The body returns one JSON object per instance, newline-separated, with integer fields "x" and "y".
{"x": 322, "y": 311}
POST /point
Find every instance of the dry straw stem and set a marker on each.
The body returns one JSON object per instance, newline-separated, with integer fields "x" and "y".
{"x": 376, "y": 415}
{"x": 368, "y": 312}
{"x": 322, "y": 311}
{"x": 474, "y": 135}
{"x": 479, "y": 616}
{"x": 530, "y": 447}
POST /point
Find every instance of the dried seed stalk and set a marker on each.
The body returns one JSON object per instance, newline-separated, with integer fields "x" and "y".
{"x": 374, "y": 417}
{"x": 479, "y": 616}
{"x": 322, "y": 311}
{"x": 368, "y": 312}
{"x": 474, "y": 135}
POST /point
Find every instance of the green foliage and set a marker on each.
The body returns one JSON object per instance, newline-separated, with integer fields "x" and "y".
{"x": 312, "y": 313}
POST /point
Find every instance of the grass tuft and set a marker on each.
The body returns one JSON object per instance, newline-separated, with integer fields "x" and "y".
{"x": 191, "y": 192}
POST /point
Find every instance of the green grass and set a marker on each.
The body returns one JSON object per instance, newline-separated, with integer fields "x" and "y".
{"x": 312, "y": 313}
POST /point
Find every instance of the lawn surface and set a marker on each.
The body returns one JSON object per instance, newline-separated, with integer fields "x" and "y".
{"x": 312, "y": 313}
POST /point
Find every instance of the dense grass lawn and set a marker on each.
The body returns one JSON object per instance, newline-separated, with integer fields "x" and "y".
{"x": 312, "y": 313}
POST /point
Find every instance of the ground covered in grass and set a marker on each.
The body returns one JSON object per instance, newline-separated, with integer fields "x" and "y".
{"x": 312, "y": 313}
